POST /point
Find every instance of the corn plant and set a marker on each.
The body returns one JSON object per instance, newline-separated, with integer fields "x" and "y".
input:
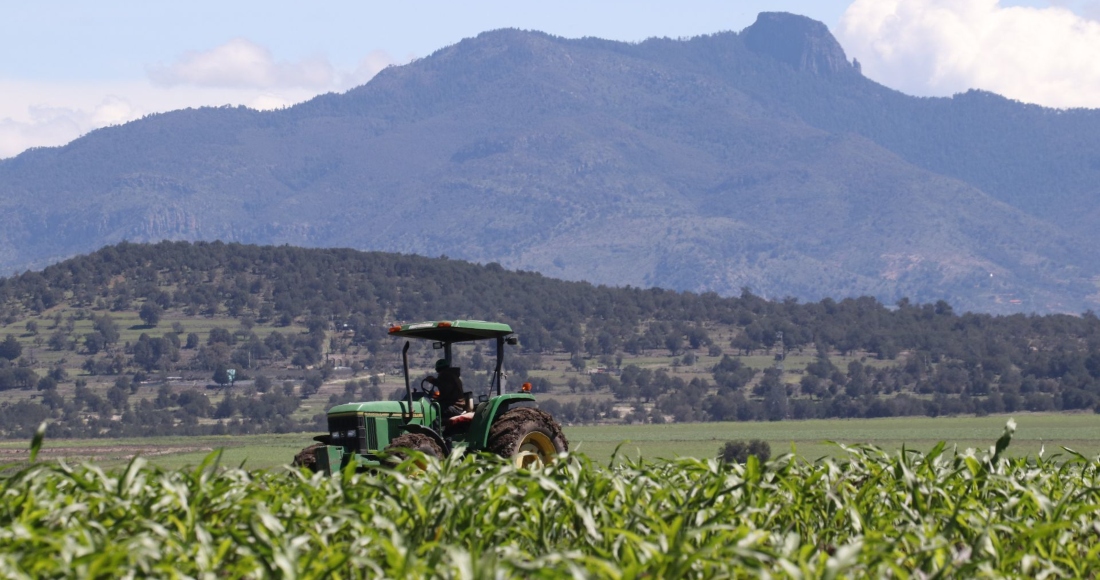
{"x": 945, "y": 513}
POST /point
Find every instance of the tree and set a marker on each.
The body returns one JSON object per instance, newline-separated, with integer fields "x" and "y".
{"x": 221, "y": 335}
{"x": 191, "y": 402}
{"x": 775, "y": 402}
{"x": 226, "y": 407}
{"x": 106, "y": 326}
{"x": 722, "y": 406}
{"x": 118, "y": 397}
{"x": 698, "y": 337}
{"x": 731, "y": 373}
{"x": 150, "y": 313}
{"x": 857, "y": 380}
{"x": 739, "y": 451}
{"x": 94, "y": 342}
{"x": 812, "y": 385}
{"x": 577, "y": 361}
{"x": 59, "y": 340}
{"x": 372, "y": 393}
{"x": 125, "y": 383}
{"x": 58, "y": 372}
{"x": 221, "y": 375}
{"x": 652, "y": 385}
{"x": 10, "y": 349}
{"x": 674, "y": 343}
{"x": 313, "y": 383}
{"x": 305, "y": 357}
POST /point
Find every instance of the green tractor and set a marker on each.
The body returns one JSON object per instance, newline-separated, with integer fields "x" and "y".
{"x": 508, "y": 424}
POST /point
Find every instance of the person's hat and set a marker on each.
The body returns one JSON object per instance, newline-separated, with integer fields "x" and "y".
{"x": 441, "y": 364}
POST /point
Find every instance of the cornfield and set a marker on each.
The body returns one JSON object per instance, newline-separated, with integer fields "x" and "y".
{"x": 958, "y": 513}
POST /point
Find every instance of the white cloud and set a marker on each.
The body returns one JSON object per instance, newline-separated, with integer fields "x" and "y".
{"x": 241, "y": 63}
{"x": 16, "y": 136}
{"x": 239, "y": 72}
{"x": 940, "y": 47}
{"x": 45, "y": 125}
{"x": 370, "y": 65}
{"x": 45, "y": 114}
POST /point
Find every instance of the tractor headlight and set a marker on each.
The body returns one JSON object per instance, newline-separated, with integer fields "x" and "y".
{"x": 335, "y": 434}
{"x": 351, "y": 433}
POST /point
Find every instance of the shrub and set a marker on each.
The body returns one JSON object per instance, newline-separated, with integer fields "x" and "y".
{"x": 739, "y": 451}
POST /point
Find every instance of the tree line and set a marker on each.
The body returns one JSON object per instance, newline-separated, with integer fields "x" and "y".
{"x": 939, "y": 361}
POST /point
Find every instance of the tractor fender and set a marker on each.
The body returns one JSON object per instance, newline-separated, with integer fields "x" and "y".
{"x": 424, "y": 430}
{"x": 488, "y": 412}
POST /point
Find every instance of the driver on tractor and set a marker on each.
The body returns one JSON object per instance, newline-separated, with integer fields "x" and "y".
{"x": 448, "y": 390}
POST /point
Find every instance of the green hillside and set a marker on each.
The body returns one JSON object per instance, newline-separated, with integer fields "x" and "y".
{"x": 129, "y": 341}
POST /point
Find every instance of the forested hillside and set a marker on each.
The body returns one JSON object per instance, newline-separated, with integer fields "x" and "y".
{"x": 127, "y": 340}
{"x": 758, "y": 159}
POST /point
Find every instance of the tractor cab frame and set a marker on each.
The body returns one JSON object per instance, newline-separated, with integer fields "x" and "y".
{"x": 446, "y": 333}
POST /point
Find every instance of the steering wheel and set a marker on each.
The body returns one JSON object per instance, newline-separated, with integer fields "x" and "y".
{"x": 429, "y": 390}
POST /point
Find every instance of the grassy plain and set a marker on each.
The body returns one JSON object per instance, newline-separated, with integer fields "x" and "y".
{"x": 1080, "y": 432}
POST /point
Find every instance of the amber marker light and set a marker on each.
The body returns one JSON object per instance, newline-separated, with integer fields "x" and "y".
{"x": 395, "y": 328}
{"x": 526, "y": 387}
{"x": 444, "y": 325}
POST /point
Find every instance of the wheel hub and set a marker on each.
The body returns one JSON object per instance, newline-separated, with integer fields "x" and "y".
{"x": 535, "y": 450}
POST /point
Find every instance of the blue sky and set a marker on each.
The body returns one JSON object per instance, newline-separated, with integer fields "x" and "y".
{"x": 86, "y": 40}
{"x": 67, "y": 67}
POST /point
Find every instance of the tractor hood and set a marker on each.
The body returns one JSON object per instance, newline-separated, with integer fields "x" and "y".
{"x": 381, "y": 408}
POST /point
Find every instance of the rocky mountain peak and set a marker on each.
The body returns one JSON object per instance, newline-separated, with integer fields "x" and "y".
{"x": 804, "y": 43}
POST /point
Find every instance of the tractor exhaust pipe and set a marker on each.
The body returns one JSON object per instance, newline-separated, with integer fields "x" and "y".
{"x": 408, "y": 388}
{"x": 500, "y": 366}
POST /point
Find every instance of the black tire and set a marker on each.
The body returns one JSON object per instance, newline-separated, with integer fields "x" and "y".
{"x": 307, "y": 457}
{"x": 416, "y": 442}
{"x": 530, "y": 436}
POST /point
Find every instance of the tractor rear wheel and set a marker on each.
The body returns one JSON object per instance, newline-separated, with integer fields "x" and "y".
{"x": 307, "y": 458}
{"x": 415, "y": 442}
{"x": 530, "y": 437}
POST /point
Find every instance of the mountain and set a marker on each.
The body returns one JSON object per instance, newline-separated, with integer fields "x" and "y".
{"x": 759, "y": 159}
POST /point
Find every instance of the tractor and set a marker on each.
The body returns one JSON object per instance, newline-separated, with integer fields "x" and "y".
{"x": 509, "y": 424}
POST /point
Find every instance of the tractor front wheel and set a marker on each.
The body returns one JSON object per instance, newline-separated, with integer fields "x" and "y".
{"x": 307, "y": 457}
{"x": 415, "y": 442}
{"x": 530, "y": 437}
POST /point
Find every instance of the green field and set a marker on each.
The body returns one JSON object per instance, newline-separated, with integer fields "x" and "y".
{"x": 1080, "y": 432}
{"x": 946, "y": 513}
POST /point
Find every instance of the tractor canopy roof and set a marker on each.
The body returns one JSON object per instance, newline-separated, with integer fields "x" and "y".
{"x": 452, "y": 330}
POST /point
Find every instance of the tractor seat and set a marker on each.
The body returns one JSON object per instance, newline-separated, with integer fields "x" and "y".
{"x": 460, "y": 419}
{"x": 458, "y": 424}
